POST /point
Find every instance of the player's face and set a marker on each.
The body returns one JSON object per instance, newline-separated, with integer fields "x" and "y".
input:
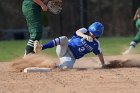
{"x": 90, "y": 34}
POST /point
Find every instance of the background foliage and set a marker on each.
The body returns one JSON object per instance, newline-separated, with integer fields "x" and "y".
{"x": 116, "y": 15}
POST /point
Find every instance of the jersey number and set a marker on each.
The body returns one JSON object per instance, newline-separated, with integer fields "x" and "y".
{"x": 81, "y": 49}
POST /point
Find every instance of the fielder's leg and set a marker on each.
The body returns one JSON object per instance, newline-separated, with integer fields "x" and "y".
{"x": 136, "y": 39}
{"x": 32, "y": 14}
{"x": 133, "y": 43}
{"x": 29, "y": 47}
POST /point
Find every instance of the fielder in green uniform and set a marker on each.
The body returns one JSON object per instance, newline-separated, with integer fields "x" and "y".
{"x": 32, "y": 11}
{"x": 136, "y": 39}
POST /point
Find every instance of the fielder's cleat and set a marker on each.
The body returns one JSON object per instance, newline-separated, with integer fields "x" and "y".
{"x": 37, "y": 47}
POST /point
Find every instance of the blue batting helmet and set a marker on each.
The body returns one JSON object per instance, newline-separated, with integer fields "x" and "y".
{"x": 96, "y": 29}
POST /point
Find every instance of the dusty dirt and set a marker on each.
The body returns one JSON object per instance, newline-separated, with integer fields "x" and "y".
{"x": 122, "y": 78}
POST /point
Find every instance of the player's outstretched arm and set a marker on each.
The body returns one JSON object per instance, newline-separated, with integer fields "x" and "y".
{"x": 101, "y": 58}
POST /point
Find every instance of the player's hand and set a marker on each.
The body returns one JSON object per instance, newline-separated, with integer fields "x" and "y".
{"x": 126, "y": 52}
{"x": 44, "y": 7}
{"x": 105, "y": 66}
{"x": 88, "y": 38}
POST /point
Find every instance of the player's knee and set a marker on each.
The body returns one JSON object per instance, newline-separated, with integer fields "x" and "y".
{"x": 63, "y": 40}
{"x": 66, "y": 65}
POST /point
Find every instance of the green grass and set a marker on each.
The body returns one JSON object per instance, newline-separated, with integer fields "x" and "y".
{"x": 10, "y": 50}
{"x": 115, "y": 46}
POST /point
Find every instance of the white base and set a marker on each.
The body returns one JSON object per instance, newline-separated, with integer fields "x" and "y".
{"x": 36, "y": 69}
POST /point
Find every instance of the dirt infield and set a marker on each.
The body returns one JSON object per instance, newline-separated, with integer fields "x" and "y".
{"x": 124, "y": 78}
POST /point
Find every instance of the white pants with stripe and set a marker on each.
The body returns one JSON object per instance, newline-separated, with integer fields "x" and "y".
{"x": 65, "y": 55}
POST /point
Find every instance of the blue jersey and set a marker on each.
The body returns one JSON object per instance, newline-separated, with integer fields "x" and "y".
{"x": 80, "y": 47}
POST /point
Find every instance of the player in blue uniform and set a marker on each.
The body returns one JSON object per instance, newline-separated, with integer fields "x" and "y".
{"x": 82, "y": 42}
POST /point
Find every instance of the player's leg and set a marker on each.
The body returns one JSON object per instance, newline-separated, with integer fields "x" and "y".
{"x": 63, "y": 40}
{"x": 136, "y": 40}
{"x": 67, "y": 60}
{"x": 133, "y": 43}
{"x": 32, "y": 14}
{"x": 61, "y": 49}
{"x": 29, "y": 47}
{"x": 65, "y": 55}
{"x": 36, "y": 36}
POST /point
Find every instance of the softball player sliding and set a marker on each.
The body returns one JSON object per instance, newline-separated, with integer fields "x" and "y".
{"x": 136, "y": 39}
{"x": 32, "y": 12}
{"x": 82, "y": 42}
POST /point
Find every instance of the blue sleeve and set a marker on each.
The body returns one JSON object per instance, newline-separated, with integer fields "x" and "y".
{"x": 96, "y": 52}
